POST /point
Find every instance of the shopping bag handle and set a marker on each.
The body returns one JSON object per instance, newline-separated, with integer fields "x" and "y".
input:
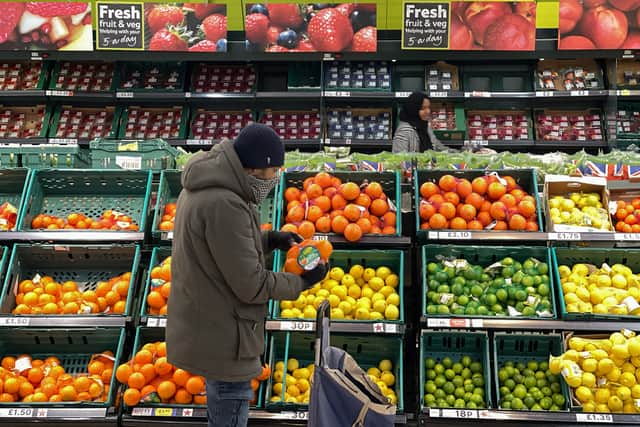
{"x": 323, "y": 323}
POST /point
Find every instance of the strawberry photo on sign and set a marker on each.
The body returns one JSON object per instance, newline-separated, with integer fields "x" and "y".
{"x": 193, "y": 27}
{"x": 310, "y": 27}
{"x": 46, "y": 26}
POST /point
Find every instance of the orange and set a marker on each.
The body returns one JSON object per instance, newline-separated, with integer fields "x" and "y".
{"x": 195, "y": 385}
{"x": 96, "y": 367}
{"x": 526, "y": 208}
{"x": 336, "y": 182}
{"x": 467, "y": 212}
{"x": 389, "y": 230}
{"x": 119, "y": 307}
{"x": 291, "y": 266}
{"x": 374, "y": 190}
{"x": 426, "y": 210}
{"x": 501, "y": 225}
{"x": 363, "y": 200}
{"x": 314, "y": 191}
{"x": 621, "y": 214}
{"x": 508, "y": 200}
{"x": 451, "y": 197}
{"x": 11, "y": 386}
{"x": 323, "y": 179}
{"x": 458, "y": 223}
{"x": 183, "y": 397}
{"x": 200, "y": 400}
{"x": 50, "y": 308}
{"x": 289, "y": 227}
{"x": 330, "y": 192}
{"x": 131, "y": 397}
{"x": 149, "y": 372}
{"x": 484, "y": 218}
{"x": 68, "y": 393}
{"x": 104, "y": 287}
{"x": 313, "y": 213}
{"x": 479, "y": 185}
{"x": 26, "y": 388}
{"x": 323, "y": 203}
{"x": 306, "y": 229}
{"x": 254, "y": 384}
{"x": 496, "y": 190}
{"x": 49, "y": 389}
{"x": 379, "y": 207}
{"x": 39, "y": 397}
{"x": 350, "y": 191}
{"x": 352, "y": 233}
{"x": 82, "y": 384}
{"x": 448, "y": 210}
{"x": 475, "y": 225}
{"x": 518, "y": 194}
{"x": 532, "y": 226}
{"x": 112, "y": 297}
{"x": 106, "y": 376}
{"x": 447, "y": 183}
{"x": 180, "y": 377}
{"x": 464, "y": 188}
{"x": 365, "y": 225}
{"x": 511, "y": 183}
{"x": 121, "y": 287}
{"x": 146, "y": 390}
{"x": 438, "y": 221}
{"x": 338, "y": 202}
{"x": 428, "y": 189}
{"x": 95, "y": 390}
{"x": 155, "y": 299}
{"x": 389, "y": 219}
{"x": 323, "y": 224}
{"x": 166, "y": 390}
{"x": 136, "y": 380}
{"x": 498, "y": 210}
{"x": 325, "y": 248}
{"x": 517, "y": 222}
{"x": 35, "y": 375}
{"x": 631, "y": 219}
{"x": 26, "y": 286}
{"x": 436, "y": 200}
{"x": 296, "y": 214}
{"x": 6, "y": 397}
{"x": 352, "y": 212}
{"x": 475, "y": 200}
{"x": 163, "y": 367}
{"x": 291, "y": 194}
{"x": 266, "y": 372}
{"x": 339, "y": 223}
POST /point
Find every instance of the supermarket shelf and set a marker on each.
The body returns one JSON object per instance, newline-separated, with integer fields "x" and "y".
{"x": 358, "y": 94}
{"x": 150, "y": 96}
{"x": 302, "y": 144}
{"x": 371, "y": 241}
{"x": 525, "y": 143}
{"x": 350, "y": 327}
{"x": 219, "y": 96}
{"x": 577, "y": 145}
{"x": 458, "y": 95}
{"x": 430, "y": 415}
{"x": 516, "y": 323}
{"x": 72, "y": 236}
{"x": 61, "y": 321}
{"x": 22, "y": 141}
{"x": 22, "y": 95}
{"x": 625, "y": 93}
{"x": 359, "y": 143}
{"x": 71, "y": 96}
{"x": 311, "y": 94}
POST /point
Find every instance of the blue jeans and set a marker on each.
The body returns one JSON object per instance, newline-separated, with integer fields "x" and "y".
{"x": 228, "y": 403}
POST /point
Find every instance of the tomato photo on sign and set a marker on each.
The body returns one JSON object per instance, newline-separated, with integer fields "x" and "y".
{"x": 310, "y": 27}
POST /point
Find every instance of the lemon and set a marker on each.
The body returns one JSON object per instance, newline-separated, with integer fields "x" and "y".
{"x": 600, "y": 309}
{"x": 374, "y": 315}
{"x": 564, "y": 271}
{"x": 386, "y": 291}
{"x": 571, "y": 355}
{"x": 369, "y": 273}
{"x": 392, "y": 312}
{"x": 569, "y": 288}
{"x": 585, "y": 307}
{"x": 336, "y": 273}
{"x": 615, "y": 404}
{"x": 383, "y": 272}
{"x": 624, "y": 393}
{"x": 287, "y": 314}
{"x": 555, "y": 365}
{"x": 302, "y": 373}
{"x": 633, "y": 345}
{"x": 376, "y": 283}
{"x": 571, "y": 298}
{"x": 356, "y": 271}
{"x": 337, "y": 314}
{"x": 348, "y": 280}
{"x": 378, "y": 297}
{"x": 635, "y": 391}
{"x": 286, "y": 305}
{"x": 627, "y": 379}
{"x": 301, "y": 302}
{"x": 374, "y": 372}
{"x": 324, "y": 293}
{"x": 589, "y": 365}
{"x": 580, "y": 269}
{"x": 597, "y": 295}
{"x": 317, "y": 301}
{"x": 583, "y": 394}
{"x": 329, "y": 284}
{"x": 599, "y": 354}
{"x": 603, "y": 281}
{"x": 362, "y": 314}
{"x": 367, "y": 292}
{"x": 364, "y": 302}
{"x": 382, "y": 386}
{"x": 309, "y": 312}
{"x": 310, "y": 299}
{"x": 635, "y": 361}
{"x": 619, "y": 281}
{"x": 345, "y": 307}
{"x": 620, "y": 351}
{"x": 589, "y": 407}
{"x": 573, "y": 308}
{"x": 602, "y": 395}
{"x": 605, "y": 366}
{"x": 334, "y": 300}
{"x": 385, "y": 365}
{"x": 629, "y": 408}
{"x": 609, "y": 302}
{"x": 388, "y": 378}
{"x": 379, "y": 306}
{"x": 617, "y": 338}
{"x": 303, "y": 385}
{"x": 292, "y": 365}
{"x": 280, "y": 366}
{"x": 392, "y": 280}
{"x": 628, "y": 367}
{"x": 583, "y": 294}
{"x": 393, "y": 299}
{"x": 277, "y": 389}
{"x": 614, "y": 375}
{"x": 293, "y": 391}
{"x": 588, "y": 379}
{"x": 360, "y": 282}
{"x": 354, "y": 291}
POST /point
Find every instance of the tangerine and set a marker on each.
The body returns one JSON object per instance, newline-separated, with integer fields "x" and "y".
{"x": 498, "y": 210}
{"x": 195, "y": 385}
{"x": 306, "y": 229}
{"x": 496, "y": 190}
{"x": 479, "y": 185}
{"x": 426, "y": 210}
{"x": 323, "y": 179}
{"x": 323, "y": 224}
{"x": 451, "y": 197}
{"x": 475, "y": 200}
{"x": 428, "y": 189}
{"x": 447, "y": 183}
{"x": 448, "y": 210}
{"x": 484, "y": 218}
{"x": 467, "y": 212}
{"x": 517, "y": 222}
{"x": 501, "y": 225}
{"x": 314, "y": 191}
{"x": 131, "y": 397}
{"x": 374, "y": 190}
{"x": 136, "y": 380}
{"x": 350, "y": 191}
{"x": 180, "y": 377}
{"x": 183, "y": 397}
{"x": 379, "y": 207}
{"x": 438, "y": 221}
{"x": 339, "y": 223}
{"x": 352, "y": 212}
{"x": 363, "y": 200}
{"x": 464, "y": 188}
{"x": 526, "y": 208}
{"x": 324, "y": 203}
{"x": 166, "y": 390}
{"x": 352, "y": 233}
{"x": 508, "y": 200}
{"x": 68, "y": 393}
{"x": 458, "y": 223}
{"x": 532, "y": 226}
{"x": 338, "y": 202}
{"x": 475, "y": 225}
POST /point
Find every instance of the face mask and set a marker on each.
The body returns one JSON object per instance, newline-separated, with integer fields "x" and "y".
{"x": 261, "y": 187}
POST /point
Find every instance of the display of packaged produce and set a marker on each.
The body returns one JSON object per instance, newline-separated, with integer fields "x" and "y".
{"x": 20, "y": 75}
{"x": 443, "y": 117}
{"x": 223, "y": 78}
{"x": 359, "y": 124}
{"x": 569, "y": 125}
{"x": 148, "y": 123}
{"x": 293, "y": 124}
{"x": 151, "y": 76}
{"x": 441, "y": 77}
{"x": 569, "y": 75}
{"x": 90, "y": 123}
{"x": 625, "y": 213}
{"x": 21, "y": 122}
{"x": 358, "y": 75}
{"x": 84, "y": 77}
{"x": 219, "y": 124}
{"x": 498, "y": 125}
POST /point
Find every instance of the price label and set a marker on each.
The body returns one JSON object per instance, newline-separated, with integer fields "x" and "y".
{"x": 434, "y": 413}
{"x": 42, "y": 413}
{"x": 455, "y": 235}
{"x": 152, "y": 322}
{"x": 63, "y": 141}
{"x": 162, "y": 323}
{"x": 16, "y": 413}
{"x": 142, "y": 412}
{"x": 299, "y": 415}
{"x": 296, "y": 326}
{"x": 565, "y": 236}
{"x": 14, "y": 321}
{"x": 403, "y": 94}
{"x": 65, "y": 93}
{"x": 35, "y": 56}
{"x": 433, "y": 235}
{"x": 124, "y": 94}
{"x": 331, "y": 94}
{"x": 391, "y": 328}
{"x": 347, "y": 141}
{"x": 170, "y": 235}
{"x": 579, "y": 93}
{"x": 477, "y": 94}
{"x": 187, "y": 94}
{"x": 594, "y": 418}
{"x": 624, "y": 92}
{"x": 438, "y": 94}
{"x": 164, "y": 412}
{"x": 187, "y": 412}
{"x": 439, "y": 323}
{"x": 544, "y": 94}
{"x": 481, "y": 143}
{"x": 199, "y": 142}
{"x": 459, "y": 413}
{"x": 320, "y": 237}
{"x": 627, "y": 237}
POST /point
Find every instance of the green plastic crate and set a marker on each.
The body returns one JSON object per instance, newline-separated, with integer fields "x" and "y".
{"x": 523, "y": 347}
{"x": 154, "y": 154}
{"x": 85, "y": 264}
{"x": 74, "y": 348}
{"x": 58, "y": 157}
{"x": 91, "y": 192}
{"x": 57, "y": 114}
{"x": 485, "y": 256}
{"x": 526, "y": 178}
{"x": 394, "y": 259}
{"x": 13, "y": 187}
{"x": 390, "y": 182}
{"x": 32, "y": 117}
{"x": 303, "y": 76}
{"x": 56, "y": 72}
{"x": 157, "y": 256}
{"x": 368, "y": 351}
{"x": 438, "y": 345}
{"x": 595, "y": 256}
{"x": 168, "y": 192}
{"x": 123, "y": 112}
{"x": 10, "y": 156}
{"x": 149, "y": 335}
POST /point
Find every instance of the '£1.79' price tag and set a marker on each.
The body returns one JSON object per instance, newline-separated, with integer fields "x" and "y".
{"x": 594, "y": 418}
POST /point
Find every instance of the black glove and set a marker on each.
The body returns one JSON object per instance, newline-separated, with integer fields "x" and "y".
{"x": 282, "y": 240}
{"x": 314, "y": 276}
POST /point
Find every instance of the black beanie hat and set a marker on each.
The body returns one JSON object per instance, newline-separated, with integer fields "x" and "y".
{"x": 259, "y": 147}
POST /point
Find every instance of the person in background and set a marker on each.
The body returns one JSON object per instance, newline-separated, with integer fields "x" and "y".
{"x": 221, "y": 286}
{"x": 414, "y": 134}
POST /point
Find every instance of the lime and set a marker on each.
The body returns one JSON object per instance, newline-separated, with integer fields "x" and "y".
{"x": 430, "y": 363}
{"x": 521, "y": 295}
{"x": 443, "y": 289}
{"x": 537, "y": 395}
{"x": 507, "y": 272}
{"x": 447, "y": 362}
{"x": 529, "y": 402}
{"x": 503, "y": 375}
{"x": 555, "y": 408}
{"x": 477, "y": 399}
{"x": 546, "y": 402}
{"x": 466, "y": 373}
{"x": 504, "y": 390}
{"x": 549, "y": 391}
{"x": 491, "y": 299}
{"x": 472, "y": 405}
{"x": 516, "y": 403}
{"x": 449, "y": 374}
{"x": 459, "y": 281}
{"x": 510, "y": 369}
{"x": 432, "y": 267}
{"x": 463, "y": 300}
{"x": 469, "y": 387}
{"x": 554, "y": 388}
{"x": 536, "y": 407}
{"x": 483, "y": 311}
{"x": 505, "y": 405}
{"x": 470, "y": 311}
{"x": 457, "y": 290}
{"x": 475, "y": 367}
{"x": 439, "y": 369}
{"x": 429, "y": 399}
{"x": 510, "y": 384}
{"x": 451, "y": 399}
{"x": 431, "y": 374}
{"x": 520, "y": 391}
{"x": 507, "y": 261}
{"x": 478, "y": 391}
{"x": 518, "y": 378}
{"x": 528, "y": 312}
{"x": 527, "y": 373}
{"x": 441, "y": 403}
{"x": 441, "y": 277}
{"x": 458, "y": 381}
{"x": 478, "y": 381}
{"x": 540, "y": 375}
{"x": 440, "y": 394}
{"x": 543, "y": 366}
{"x": 502, "y": 295}
{"x": 451, "y": 272}
{"x": 448, "y": 388}
{"x": 543, "y": 290}
{"x": 558, "y": 400}
{"x": 432, "y": 309}
{"x": 430, "y": 388}
{"x": 457, "y": 368}
{"x": 530, "y": 381}
{"x": 532, "y": 365}
{"x": 443, "y": 309}
{"x": 459, "y": 403}
{"x": 543, "y": 268}
{"x": 476, "y": 291}
{"x": 508, "y": 397}
{"x": 459, "y": 392}
{"x": 440, "y": 381}
{"x": 527, "y": 281}
{"x": 541, "y": 383}
{"x": 517, "y": 278}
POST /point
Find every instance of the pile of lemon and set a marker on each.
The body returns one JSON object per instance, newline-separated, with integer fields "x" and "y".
{"x": 603, "y": 373}
{"x": 361, "y": 294}
{"x": 606, "y": 290}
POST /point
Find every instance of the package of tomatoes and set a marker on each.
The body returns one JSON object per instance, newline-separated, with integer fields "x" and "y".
{"x": 306, "y": 255}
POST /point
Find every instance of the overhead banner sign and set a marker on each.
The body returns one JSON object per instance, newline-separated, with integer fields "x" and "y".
{"x": 162, "y": 27}
{"x": 63, "y": 26}
{"x": 460, "y": 25}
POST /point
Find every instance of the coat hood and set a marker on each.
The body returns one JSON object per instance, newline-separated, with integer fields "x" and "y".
{"x": 220, "y": 168}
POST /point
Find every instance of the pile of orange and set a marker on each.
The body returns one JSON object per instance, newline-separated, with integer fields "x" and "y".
{"x": 43, "y": 295}
{"x": 325, "y": 204}
{"x": 109, "y": 220}
{"x": 291, "y": 265}
{"x": 160, "y": 288}
{"x": 168, "y": 217}
{"x": 8, "y": 216}
{"x": 628, "y": 216}
{"x": 485, "y": 203}
{"x": 24, "y": 379}
{"x": 150, "y": 378}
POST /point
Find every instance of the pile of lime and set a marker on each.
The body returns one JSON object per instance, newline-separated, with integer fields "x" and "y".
{"x": 505, "y": 288}
{"x": 530, "y": 386}
{"x": 454, "y": 384}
